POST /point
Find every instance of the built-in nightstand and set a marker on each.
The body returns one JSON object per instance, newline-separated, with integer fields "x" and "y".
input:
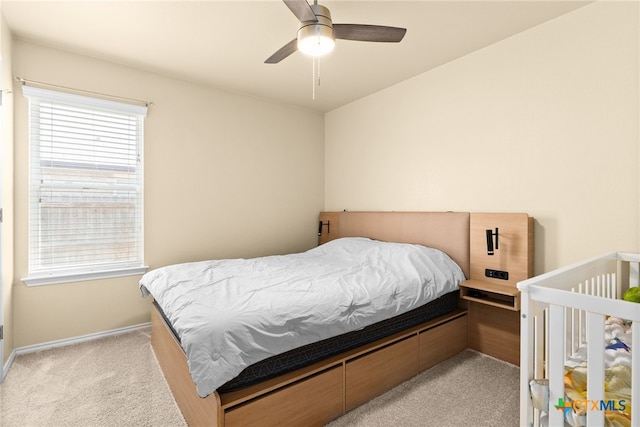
{"x": 491, "y": 294}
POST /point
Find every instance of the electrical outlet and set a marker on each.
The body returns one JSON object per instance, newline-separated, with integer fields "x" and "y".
{"x": 496, "y": 274}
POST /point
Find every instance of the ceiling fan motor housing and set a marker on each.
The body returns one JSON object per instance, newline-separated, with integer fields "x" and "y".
{"x": 317, "y": 37}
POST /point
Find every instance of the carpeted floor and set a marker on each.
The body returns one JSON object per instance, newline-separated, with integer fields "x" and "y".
{"x": 116, "y": 381}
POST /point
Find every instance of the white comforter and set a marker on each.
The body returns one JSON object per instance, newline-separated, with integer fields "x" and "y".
{"x": 232, "y": 313}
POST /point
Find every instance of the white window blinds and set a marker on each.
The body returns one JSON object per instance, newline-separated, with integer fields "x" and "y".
{"x": 86, "y": 187}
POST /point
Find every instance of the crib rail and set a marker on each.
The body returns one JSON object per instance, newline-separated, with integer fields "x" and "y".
{"x": 566, "y": 309}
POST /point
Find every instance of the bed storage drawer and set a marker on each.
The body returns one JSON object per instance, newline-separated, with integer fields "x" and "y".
{"x": 313, "y": 401}
{"x": 445, "y": 341}
{"x": 379, "y": 371}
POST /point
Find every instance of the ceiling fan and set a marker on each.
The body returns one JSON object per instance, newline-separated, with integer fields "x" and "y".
{"x": 317, "y": 33}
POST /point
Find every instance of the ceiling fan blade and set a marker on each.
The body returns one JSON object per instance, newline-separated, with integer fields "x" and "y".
{"x": 368, "y": 33}
{"x": 302, "y": 10}
{"x": 283, "y": 52}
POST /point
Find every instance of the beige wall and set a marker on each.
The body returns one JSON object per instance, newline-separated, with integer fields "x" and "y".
{"x": 225, "y": 176}
{"x": 545, "y": 122}
{"x": 6, "y": 169}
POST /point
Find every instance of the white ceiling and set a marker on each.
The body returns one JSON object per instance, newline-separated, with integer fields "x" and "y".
{"x": 224, "y": 43}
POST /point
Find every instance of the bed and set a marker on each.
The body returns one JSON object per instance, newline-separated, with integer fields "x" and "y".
{"x": 579, "y": 366}
{"x": 322, "y": 389}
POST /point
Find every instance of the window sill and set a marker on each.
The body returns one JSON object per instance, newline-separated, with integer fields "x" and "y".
{"x": 68, "y": 277}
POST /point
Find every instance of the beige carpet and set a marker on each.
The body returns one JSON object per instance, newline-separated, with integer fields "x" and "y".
{"x": 116, "y": 381}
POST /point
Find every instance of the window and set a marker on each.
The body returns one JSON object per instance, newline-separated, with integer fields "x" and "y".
{"x": 86, "y": 187}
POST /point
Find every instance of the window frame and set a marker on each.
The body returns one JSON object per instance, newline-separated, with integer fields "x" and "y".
{"x": 96, "y": 269}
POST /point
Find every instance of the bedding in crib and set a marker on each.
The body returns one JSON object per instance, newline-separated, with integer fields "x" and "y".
{"x": 617, "y": 405}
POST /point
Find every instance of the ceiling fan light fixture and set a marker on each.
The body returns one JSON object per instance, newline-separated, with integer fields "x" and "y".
{"x": 316, "y": 40}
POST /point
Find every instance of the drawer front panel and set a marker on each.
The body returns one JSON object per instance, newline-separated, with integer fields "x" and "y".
{"x": 373, "y": 374}
{"x": 443, "y": 342}
{"x": 313, "y": 401}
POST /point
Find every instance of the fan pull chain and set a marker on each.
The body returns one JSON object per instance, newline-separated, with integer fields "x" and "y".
{"x": 316, "y": 75}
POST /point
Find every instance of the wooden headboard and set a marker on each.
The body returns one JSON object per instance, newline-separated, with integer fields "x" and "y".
{"x": 461, "y": 235}
{"x": 447, "y": 231}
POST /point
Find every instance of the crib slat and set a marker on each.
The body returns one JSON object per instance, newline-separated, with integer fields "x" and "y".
{"x": 556, "y": 363}
{"x": 595, "y": 373}
{"x": 634, "y": 274}
{"x": 539, "y": 346}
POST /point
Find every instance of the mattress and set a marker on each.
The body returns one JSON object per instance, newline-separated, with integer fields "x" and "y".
{"x": 318, "y": 351}
{"x": 231, "y": 314}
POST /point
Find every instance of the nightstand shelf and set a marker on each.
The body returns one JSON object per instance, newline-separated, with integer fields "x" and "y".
{"x": 504, "y": 296}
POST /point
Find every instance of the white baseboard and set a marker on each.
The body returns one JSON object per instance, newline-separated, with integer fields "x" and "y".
{"x": 67, "y": 341}
{"x": 7, "y": 365}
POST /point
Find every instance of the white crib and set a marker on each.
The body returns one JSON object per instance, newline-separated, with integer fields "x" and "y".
{"x": 565, "y": 309}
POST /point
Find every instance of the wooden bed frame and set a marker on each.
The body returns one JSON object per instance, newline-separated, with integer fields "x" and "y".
{"x": 317, "y": 394}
